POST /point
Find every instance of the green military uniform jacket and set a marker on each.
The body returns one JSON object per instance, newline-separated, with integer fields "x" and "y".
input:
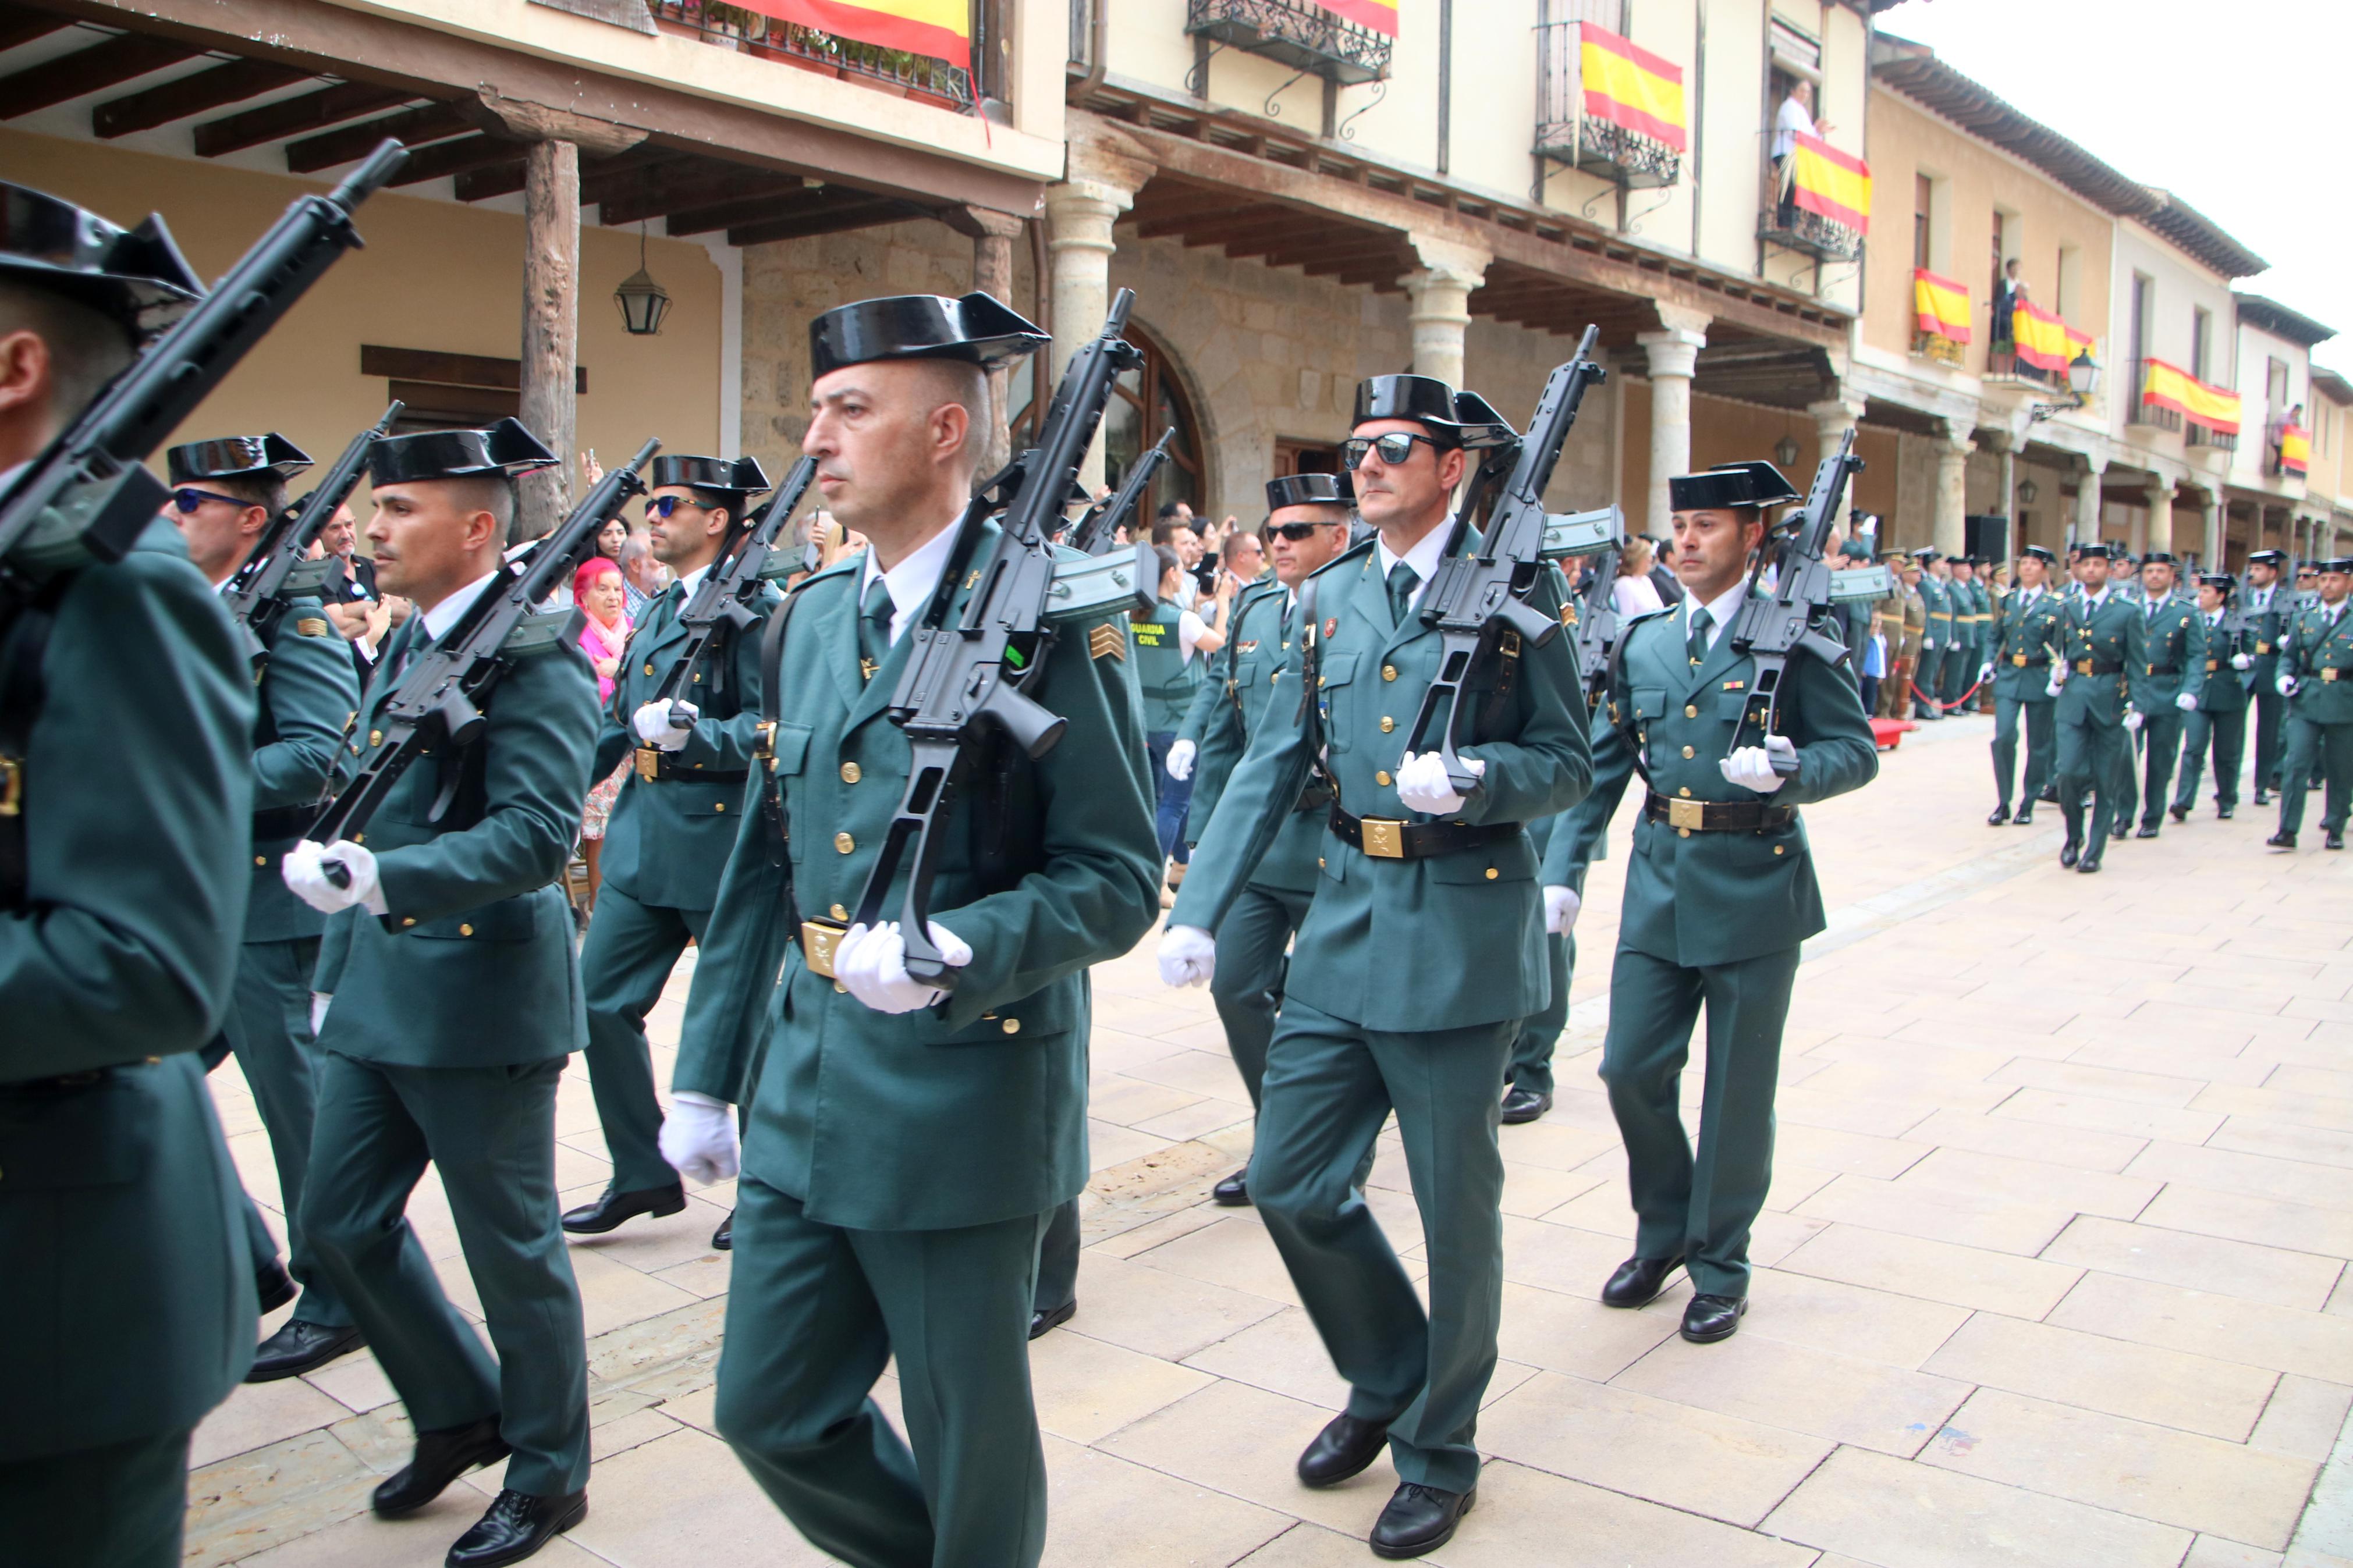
{"x": 2028, "y": 639}
{"x": 2173, "y": 645}
{"x": 1699, "y": 899}
{"x": 2270, "y": 625}
{"x": 2105, "y": 649}
{"x": 1231, "y": 708}
{"x": 2219, "y": 687}
{"x": 1938, "y": 598}
{"x": 1984, "y": 610}
{"x": 976, "y": 1111}
{"x": 128, "y": 1310}
{"x": 668, "y": 835}
{"x": 1442, "y": 943}
{"x": 1167, "y": 678}
{"x": 309, "y": 691}
{"x": 474, "y": 964}
{"x": 2320, "y": 656}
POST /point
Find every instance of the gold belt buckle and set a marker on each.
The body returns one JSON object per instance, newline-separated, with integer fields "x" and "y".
{"x": 2327, "y": 675}
{"x": 818, "y": 939}
{"x": 1384, "y": 838}
{"x": 2262, "y": 647}
{"x": 648, "y": 762}
{"x": 1686, "y": 813}
{"x": 12, "y": 787}
{"x": 2082, "y": 667}
{"x": 2018, "y": 659}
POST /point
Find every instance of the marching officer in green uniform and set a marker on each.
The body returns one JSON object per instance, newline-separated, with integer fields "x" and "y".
{"x": 1306, "y": 529}
{"x": 129, "y": 1309}
{"x": 2217, "y": 684}
{"x": 1936, "y": 637}
{"x": 1971, "y": 617}
{"x": 2026, "y": 645}
{"x": 672, "y": 827}
{"x": 2266, "y": 605}
{"x": 449, "y": 1000}
{"x": 2102, "y": 646}
{"x": 1419, "y": 957}
{"x": 1720, "y": 893}
{"x": 2316, "y": 673}
{"x": 906, "y": 1145}
{"x": 225, "y": 493}
{"x": 2173, "y": 638}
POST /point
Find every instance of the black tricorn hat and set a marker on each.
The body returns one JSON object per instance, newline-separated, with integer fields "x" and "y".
{"x": 2161, "y": 557}
{"x": 2333, "y": 563}
{"x": 1463, "y": 419}
{"x": 975, "y": 328}
{"x": 736, "y": 475}
{"x": 2222, "y": 580}
{"x": 2039, "y": 554}
{"x": 1309, "y": 490}
{"x": 2267, "y": 558}
{"x": 506, "y": 448}
{"x": 132, "y": 275}
{"x": 2304, "y": 566}
{"x": 233, "y": 457}
{"x": 2093, "y": 549}
{"x": 1729, "y": 485}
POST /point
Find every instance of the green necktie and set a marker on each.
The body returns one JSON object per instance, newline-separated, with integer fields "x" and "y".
{"x": 1697, "y": 647}
{"x": 1403, "y": 581}
{"x": 874, "y": 627}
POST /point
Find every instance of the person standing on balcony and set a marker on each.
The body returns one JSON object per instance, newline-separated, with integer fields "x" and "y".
{"x": 1795, "y": 117}
{"x": 2008, "y": 289}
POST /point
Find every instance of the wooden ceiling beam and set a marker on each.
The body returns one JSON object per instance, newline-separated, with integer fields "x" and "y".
{"x": 312, "y": 112}
{"x": 781, "y": 201}
{"x": 109, "y": 64}
{"x": 863, "y": 213}
{"x": 417, "y": 127}
{"x": 714, "y": 185}
{"x": 232, "y": 82}
{"x": 458, "y": 157}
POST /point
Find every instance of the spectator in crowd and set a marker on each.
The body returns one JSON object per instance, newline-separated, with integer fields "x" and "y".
{"x": 1635, "y": 593}
{"x": 611, "y": 538}
{"x": 1173, "y": 646}
{"x": 641, "y": 575}
{"x": 1663, "y": 573}
{"x": 601, "y": 592}
{"x": 1245, "y": 557}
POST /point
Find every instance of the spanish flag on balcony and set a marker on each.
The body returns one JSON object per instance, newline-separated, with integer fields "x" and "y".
{"x": 2043, "y": 340}
{"x": 940, "y": 28}
{"x": 1631, "y": 88}
{"x": 2296, "y": 451}
{"x": 1942, "y": 306}
{"x": 2168, "y": 387}
{"x": 1832, "y": 183}
{"x": 1380, "y": 16}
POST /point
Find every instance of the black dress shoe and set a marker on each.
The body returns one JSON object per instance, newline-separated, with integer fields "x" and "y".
{"x": 297, "y": 1347}
{"x": 1523, "y": 1105}
{"x": 517, "y": 1525}
{"x": 1045, "y": 1320}
{"x": 724, "y": 1238}
{"x": 1639, "y": 1281}
{"x": 273, "y": 1287}
{"x": 2025, "y": 816}
{"x": 1344, "y": 1448}
{"x": 2263, "y": 797}
{"x": 612, "y": 1207}
{"x": 2282, "y": 841}
{"x": 1233, "y": 1193}
{"x": 2335, "y": 839}
{"x": 1419, "y": 1519}
{"x": 2117, "y": 831}
{"x": 2147, "y": 830}
{"x": 1708, "y": 1318}
{"x": 440, "y": 1459}
{"x": 2001, "y": 815}
{"x": 2069, "y": 852}
{"x": 2180, "y": 812}
{"x": 2223, "y": 813}
{"x": 2090, "y": 863}
{"x": 2050, "y": 797}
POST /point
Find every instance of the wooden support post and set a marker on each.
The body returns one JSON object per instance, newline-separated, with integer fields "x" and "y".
{"x": 551, "y": 326}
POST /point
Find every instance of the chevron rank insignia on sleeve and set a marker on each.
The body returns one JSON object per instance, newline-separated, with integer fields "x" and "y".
{"x": 1108, "y": 641}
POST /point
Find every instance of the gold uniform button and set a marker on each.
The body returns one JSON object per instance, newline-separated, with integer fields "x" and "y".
{"x": 839, "y": 989}
{"x": 1380, "y": 778}
{"x": 1687, "y": 753}
{"x": 1493, "y": 873}
{"x": 837, "y": 912}
{"x": 261, "y": 859}
{"x": 1388, "y": 723}
{"x": 649, "y": 670}
{"x": 843, "y": 843}
{"x": 465, "y": 930}
{"x": 718, "y": 806}
{"x": 1683, "y": 833}
{"x": 375, "y": 737}
{"x": 850, "y": 774}
{"x": 1776, "y": 849}
{"x": 1690, "y": 712}
{"x": 1388, "y": 673}
{"x": 408, "y": 921}
{"x": 1684, "y": 792}
{"x": 1319, "y": 863}
{"x": 1012, "y": 1025}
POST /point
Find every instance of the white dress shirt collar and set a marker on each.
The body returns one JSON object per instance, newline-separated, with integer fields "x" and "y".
{"x": 2093, "y": 601}
{"x": 444, "y": 615}
{"x": 1423, "y": 558}
{"x": 694, "y": 580}
{"x": 1720, "y": 612}
{"x": 910, "y": 582}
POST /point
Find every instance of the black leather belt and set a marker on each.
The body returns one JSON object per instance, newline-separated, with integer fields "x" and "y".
{"x": 1717, "y": 816}
{"x": 284, "y": 822}
{"x": 652, "y": 762}
{"x": 1386, "y": 839}
{"x": 2165, "y": 669}
{"x": 64, "y": 1083}
{"x": 2097, "y": 666}
{"x": 2022, "y": 661}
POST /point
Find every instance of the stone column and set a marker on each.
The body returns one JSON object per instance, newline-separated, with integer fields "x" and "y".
{"x": 1673, "y": 352}
{"x": 1106, "y": 169}
{"x": 2160, "y": 516}
{"x": 2216, "y": 548}
{"x": 1952, "y": 449}
{"x": 551, "y": 326}
{"x": 2086, "y": 526}
{"x": 1440, "y": 315}
{"x": 992, "y": 274}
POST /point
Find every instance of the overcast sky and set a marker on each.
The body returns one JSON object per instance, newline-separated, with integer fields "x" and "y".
{"x": 2239, "y": 109}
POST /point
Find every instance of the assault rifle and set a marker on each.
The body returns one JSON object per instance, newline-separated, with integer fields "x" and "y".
{"x": 93, "y": 476}
{"x": 722, "y": 602}
{"x": 1597, "y": 623}
{"x": 1769, "y": 627}
{"x": 275, "y": 571}
{"x": 1098, "y": 530}
{"x": 1476, "y": 600}
{"x": 438, "y": 703}
{"x": 963, "y": 679}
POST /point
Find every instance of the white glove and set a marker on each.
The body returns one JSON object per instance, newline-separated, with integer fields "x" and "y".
{"x": 1180, "y": 761}
{"x": 1422, "y": 783}
{"x": 1985, "y": 672}
{"x": 2058, "y": 684}
{"x": 699, "y": 1138}
{"x": 2242, "y": 661}
{"x": 304, "y": 868}
{"x": 2287, "y": 684}
{"x": 1189, "y": 956}
{"x": 1928, "y": 644}
{"x": 870, "y": 963}
{"x": 2132, "y": 718}
{"x": 2186, "y": 702}
{"x": 653, "y": 726}
{"x": 1561, "y": 905}
{"x": 1751, "y": 767}
{"x": 320, "y": 1001}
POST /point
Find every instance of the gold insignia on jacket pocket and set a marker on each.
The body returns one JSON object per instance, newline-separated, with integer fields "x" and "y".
{"x": 1107, "y": 641}
{"x": 313, "y": 627}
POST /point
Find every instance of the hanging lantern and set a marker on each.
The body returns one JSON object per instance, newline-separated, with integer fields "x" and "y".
{"x": 643, "y": 301}
{"x": 1785, "y": 450}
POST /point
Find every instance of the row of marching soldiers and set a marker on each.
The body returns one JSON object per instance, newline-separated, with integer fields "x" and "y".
{"x": 903, "y": 1111}
{"x": 2136, "y": 681}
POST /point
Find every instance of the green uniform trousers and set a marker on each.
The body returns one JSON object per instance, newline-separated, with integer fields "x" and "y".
{"x": 1330, "y": 1085}
{"x": 626, "y": 961}
{"x": 2316, "y": 751}
{"x": 124, "y": 1505}
{"x": 2148, "y": 763}
{"x": 2041, "y": 741}
{"x": 814, "y": 1311}
{"x": 491, "y": 1134}
{"x": 1253, "y": 942}
{"x": 269, "y": 1030}
{"x": 2271, "y": 726}
{"x": 1531, "y": 1066}
{"x": 1927, "y": 681}
{"x": 1697, "y": 1206}
{"x": 2093, "y": 757}
{"x": 2226, "y": 732}
{"x": 1958, "y": 674}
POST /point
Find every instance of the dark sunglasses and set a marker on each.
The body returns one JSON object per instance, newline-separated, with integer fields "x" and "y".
{"x": 1394, "y": 448}
{"x": 1295, "y": 532}
{"x": 187, "y": 498}
{"x": 662, "y": 506}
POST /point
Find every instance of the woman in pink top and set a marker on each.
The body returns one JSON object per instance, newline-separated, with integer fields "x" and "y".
{"x": 598, "y": 590}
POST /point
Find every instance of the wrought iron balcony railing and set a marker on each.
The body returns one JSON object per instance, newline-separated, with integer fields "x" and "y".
{"x": 1565, "y": 130}
{"x": 1294, "y": 33}
{"x": 911, "y": 75}
{"x": 2199, "y": 436}
{"x": 2139, "y": 412}
{"x": 1786, "y": 224}
{"x": 1943, "y": 350}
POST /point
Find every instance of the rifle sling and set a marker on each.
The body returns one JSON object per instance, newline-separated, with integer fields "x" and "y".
{"x": 23, "y": 648}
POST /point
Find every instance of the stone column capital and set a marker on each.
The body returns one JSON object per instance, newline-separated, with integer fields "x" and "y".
{"x": 1682, "y": 319}
{"x": 1954, "y": 440}
{"x": 1834, "y": 417}
{"x": 1673, "y": 352}
{"x": 1447, "y": 263}
{"x": 1103, "y": 155}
